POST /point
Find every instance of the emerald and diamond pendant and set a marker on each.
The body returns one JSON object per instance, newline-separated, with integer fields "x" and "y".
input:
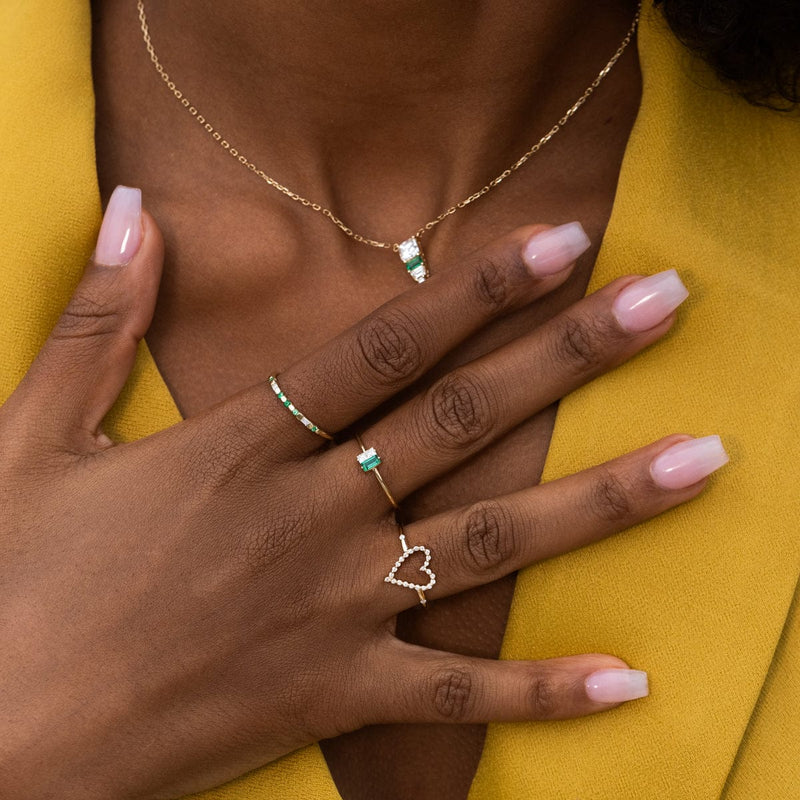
{"x": 412, "y": 256}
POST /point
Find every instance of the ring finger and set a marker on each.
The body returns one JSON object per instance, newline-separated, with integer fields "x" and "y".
{"x": 484, "y": 541}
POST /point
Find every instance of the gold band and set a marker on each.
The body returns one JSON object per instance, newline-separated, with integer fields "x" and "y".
{"x": 369, "y": 461}
{"x": 385, "y": 488}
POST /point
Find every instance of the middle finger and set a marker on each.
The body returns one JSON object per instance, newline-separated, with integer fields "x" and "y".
{"x": 475, "y": 404}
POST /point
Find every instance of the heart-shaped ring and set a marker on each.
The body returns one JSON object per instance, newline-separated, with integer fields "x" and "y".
{"x": 407, "y": 552}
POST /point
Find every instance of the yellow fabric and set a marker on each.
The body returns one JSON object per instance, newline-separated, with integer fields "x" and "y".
{"x": 699, "y": 597}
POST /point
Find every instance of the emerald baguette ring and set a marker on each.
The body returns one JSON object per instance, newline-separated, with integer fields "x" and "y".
{"x": 369, "y": 461}
{"x": 296, "y": 412}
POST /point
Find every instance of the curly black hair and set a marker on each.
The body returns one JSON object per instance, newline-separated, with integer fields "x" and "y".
{"x": 753, "y": 44}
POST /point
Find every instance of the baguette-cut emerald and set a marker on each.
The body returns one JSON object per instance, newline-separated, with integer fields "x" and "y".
{"x": 369, "y": 459}
{"x": 370, "y": 463}
{"x": 414, "y": 263}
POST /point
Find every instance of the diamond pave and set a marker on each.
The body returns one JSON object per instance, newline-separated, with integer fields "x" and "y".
{"x": 409, "y": 551}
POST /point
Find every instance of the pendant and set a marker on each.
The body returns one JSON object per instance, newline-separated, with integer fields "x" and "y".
{"x": 414, "y": 259}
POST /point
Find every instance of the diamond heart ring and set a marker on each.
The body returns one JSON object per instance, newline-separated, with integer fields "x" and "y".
{"x": 420, "y": 588}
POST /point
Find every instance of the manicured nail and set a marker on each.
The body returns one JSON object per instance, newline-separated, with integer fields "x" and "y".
{"x": 616, "y": 685}
{"x": 121, "y": 231}
{"x": 642, "y": 305}
{"x": 553, "y": 250}
{"x": 685, "y": 463}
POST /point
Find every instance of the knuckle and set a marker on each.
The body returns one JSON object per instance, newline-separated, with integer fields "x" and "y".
{"x": 304, "y": 607}
{"x": 88, "y": 314}
{"x": 488, "y": 535}
{"x": 389, "y": 345}
{"x": 454, "y": 695}
{"x": 229, "y": 456}
{"x": 278, "y": 535}
{"x": 544, "y": 697}
{"x": 490, "y": 285}
{"x": 611, "y": 497}
{"x": 582, "y": 343}
{"x": 336, "y": 696}
{"x": 499, "y": 278}
{"x": 304, "y": 704}
{"x": 459, "y": 411}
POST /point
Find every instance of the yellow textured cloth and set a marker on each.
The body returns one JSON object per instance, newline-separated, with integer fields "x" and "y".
{"x": 701, "y": 597}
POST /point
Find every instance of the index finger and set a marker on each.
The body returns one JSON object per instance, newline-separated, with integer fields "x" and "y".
{"x": 403, "y": 339}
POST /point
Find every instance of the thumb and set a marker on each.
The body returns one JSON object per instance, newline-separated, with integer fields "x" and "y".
{"x": 83, "y": 365}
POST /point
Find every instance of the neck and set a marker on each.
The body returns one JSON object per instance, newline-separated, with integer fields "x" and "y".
{"x": 351, "y": 102}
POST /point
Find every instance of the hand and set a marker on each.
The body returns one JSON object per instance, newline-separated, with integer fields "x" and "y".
{"x": 184, "y": 608}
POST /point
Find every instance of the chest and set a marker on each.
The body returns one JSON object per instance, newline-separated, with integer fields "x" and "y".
{"x": 252, "y": 282}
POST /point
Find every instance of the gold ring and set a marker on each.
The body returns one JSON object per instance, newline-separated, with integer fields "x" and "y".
{"x": 369, "y": 461}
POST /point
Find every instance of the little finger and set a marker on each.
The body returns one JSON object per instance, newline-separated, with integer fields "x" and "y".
{"x": 417, "y": 685}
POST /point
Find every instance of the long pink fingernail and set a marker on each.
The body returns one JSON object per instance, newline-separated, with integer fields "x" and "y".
{"x": 121, "y": 231}
{"x": 616, "y": 685}
{"x": 555, "y": 249}
{"x": 685, "y": 463}
{"x": 642, "y": 305}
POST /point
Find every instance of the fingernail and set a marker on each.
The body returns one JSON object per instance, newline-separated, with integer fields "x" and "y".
{"x": 685, "y": 463}
{"x": 616, "y": 685}
{"x": 553, "y": 250}
{"x": 121, "y": 231}
{"x": 644, "y": 304}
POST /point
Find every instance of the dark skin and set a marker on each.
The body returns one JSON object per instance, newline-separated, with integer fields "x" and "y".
{"x": 253, "y": 282}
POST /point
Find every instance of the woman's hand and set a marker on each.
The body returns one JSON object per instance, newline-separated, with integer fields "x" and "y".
{"x": 181, "y": 609}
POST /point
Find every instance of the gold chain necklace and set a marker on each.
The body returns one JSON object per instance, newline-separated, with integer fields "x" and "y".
{"x": 409, "y": 250}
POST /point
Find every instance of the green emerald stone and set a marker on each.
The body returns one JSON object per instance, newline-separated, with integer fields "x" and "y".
{"x": 414, "y": 263}
{"x": 370, "y": 463}
{"x": 369, "y": 459}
